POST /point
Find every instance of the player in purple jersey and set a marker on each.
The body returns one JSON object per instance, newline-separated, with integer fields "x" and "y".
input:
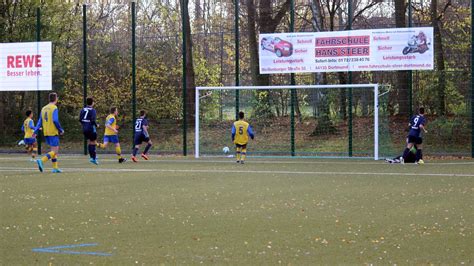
{"x": 141, "y": 135}
{"x": 417, "y": 124}
{"x": 87, "y": 117}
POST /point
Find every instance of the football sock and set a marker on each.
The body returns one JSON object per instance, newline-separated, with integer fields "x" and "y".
{"x": 135, "y": 150}
{"x": 119, "y": 152}
{"x": 419, "y": 155}
{"x": 55, "y": 161}
{"x": 92, "y": 152}
{"x": 147, "y": 148}
{"x": 238, "y": 153}
{"x": 48, "y": 156}
{"x": 101, "y": 145}
{"x": 244, "y": 153}
{"x": 405, "y": 153}
{"x": 34, "y": 152}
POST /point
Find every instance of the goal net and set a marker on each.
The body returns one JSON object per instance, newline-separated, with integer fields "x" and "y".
{"x": 329, "y": 120}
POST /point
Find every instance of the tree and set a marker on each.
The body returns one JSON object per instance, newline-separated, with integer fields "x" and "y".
{"x": 439, "y": 55}
{"x": 267, "y": 22}
{"x": 402, "y": 76}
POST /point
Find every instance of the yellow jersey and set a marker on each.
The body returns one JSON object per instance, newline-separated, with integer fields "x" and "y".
{"x": 110, "y": 121}
{"x": 27, "y": 124}
{"x": 241, "y": 131}
{"x": 49, "y": 120}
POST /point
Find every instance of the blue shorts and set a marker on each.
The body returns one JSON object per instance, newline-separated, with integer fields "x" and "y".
{"x": 111, "y": 138}
{"x": 52, "y": 141}
{"x": 29, "y": 141}
{"x": 139, "y": 138}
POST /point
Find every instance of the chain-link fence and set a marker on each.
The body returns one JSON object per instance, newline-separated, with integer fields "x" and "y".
{"x": 445, "y": 92}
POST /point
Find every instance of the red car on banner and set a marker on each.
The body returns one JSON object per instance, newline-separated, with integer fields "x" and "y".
{"x": 278, "y": 46}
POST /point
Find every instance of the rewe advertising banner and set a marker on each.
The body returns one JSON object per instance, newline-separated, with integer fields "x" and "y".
{"x": 25, "y": 66}
{"x": 356, "y": 50}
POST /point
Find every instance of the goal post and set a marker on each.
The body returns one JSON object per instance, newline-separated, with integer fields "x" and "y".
{"x": 208, "y": 95}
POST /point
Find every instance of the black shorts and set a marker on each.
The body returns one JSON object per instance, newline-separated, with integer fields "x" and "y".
{"x": 90, "y": 135}
{"x": 241, "y": 146}
{"x": 415, "y": 139}
{"x": 139, "y": 139}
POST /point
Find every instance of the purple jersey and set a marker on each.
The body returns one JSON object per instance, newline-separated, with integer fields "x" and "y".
{"x": 415, "y": 123}
{"x": 87, "y": 118}
{"x": 139, "y": 124}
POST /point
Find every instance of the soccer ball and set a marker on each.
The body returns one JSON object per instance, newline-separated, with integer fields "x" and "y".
{"x": 225, "y": 150}
{"x": 21, "y": 142}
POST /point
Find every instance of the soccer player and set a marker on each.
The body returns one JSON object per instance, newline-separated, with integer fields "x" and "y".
{"x": 417, "y": 123}
{"x": 49, "y": 121}
{"x": 241, "y": 131}
{"x": 111, "y": 133}
{"x": 411, "y": 157}
{"x": 87, "y": 117}
{"x": 30, "y": 136}
{"x": 141, "y": 135}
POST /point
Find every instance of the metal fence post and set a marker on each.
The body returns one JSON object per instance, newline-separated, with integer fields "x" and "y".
{"x": 134, "y": 72}
{"x": 183, "y": 21}
{"x": 84, "y": 62}
{"x": 472, "y": 79}
{"x": 349, "y": 80}
{"x": 293, "y": 82}
{"x": 38, "y": 92}
{"x": 237, "y": 59}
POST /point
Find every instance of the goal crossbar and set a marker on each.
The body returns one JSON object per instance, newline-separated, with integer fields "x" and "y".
{"x": 375, "y": 88}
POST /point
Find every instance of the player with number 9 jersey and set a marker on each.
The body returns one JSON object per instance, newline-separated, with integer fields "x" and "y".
{"x": 414, "y": 139}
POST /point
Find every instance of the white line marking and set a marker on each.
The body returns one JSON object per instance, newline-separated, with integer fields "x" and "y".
{"x": 124, "y": 170}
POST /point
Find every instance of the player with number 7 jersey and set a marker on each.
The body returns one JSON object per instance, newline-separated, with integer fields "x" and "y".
{"x": 87, "y": 117}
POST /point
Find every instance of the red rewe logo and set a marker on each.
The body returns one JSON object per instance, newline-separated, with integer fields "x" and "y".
{"x": 23, "y": 61}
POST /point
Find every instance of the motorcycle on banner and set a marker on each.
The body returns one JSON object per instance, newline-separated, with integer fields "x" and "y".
{"x": 417, "y": 44}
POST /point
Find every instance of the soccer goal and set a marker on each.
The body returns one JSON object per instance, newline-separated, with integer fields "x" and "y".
{"x": 323, "y": 125}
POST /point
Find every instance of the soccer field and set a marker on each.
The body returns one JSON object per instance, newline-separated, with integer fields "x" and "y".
{"x": 213, "y": 211}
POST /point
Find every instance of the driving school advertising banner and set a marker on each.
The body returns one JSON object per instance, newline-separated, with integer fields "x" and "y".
{"x": 338, "y": 51}
{"x": 25, "y": 66}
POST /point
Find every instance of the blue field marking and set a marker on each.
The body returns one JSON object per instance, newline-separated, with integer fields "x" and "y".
{"x": 60, "y": 250}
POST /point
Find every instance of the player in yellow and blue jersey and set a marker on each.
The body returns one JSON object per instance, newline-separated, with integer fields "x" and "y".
{"x": 30, "y": 137}
{"x": 241, "y": 131}
{"x": 49, "y": 121}
{"x": 111, "y": 133}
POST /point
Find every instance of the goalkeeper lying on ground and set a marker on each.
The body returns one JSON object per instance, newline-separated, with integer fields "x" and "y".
{"x": 411, "y": 157}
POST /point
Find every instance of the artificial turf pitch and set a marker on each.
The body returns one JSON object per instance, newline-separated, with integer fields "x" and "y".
{"x": 213, "y": 211}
